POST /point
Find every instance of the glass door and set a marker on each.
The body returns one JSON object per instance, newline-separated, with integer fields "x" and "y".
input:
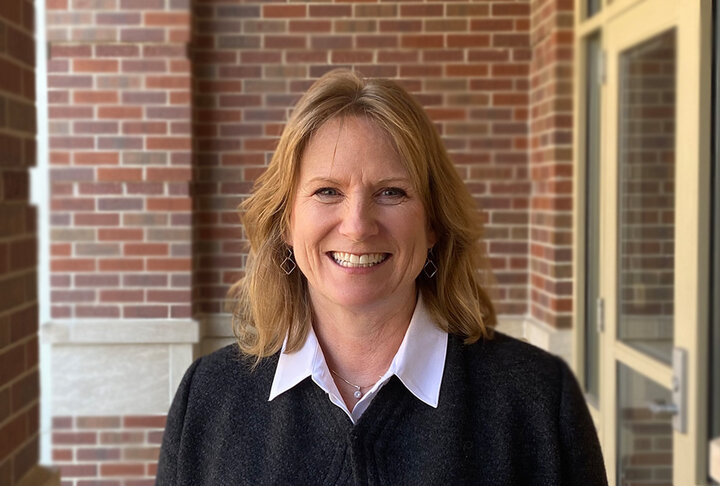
{"x": 654, "y": 238}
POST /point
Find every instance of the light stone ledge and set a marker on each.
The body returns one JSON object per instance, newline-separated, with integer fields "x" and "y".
{"x": 117, "y": 367}
{"x": 121, "y": 331}
{"x": 216, "y": 331}
{"x": 537, "y": 333}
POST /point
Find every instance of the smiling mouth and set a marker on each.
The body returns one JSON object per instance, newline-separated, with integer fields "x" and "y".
{"x": 352, "y": 260}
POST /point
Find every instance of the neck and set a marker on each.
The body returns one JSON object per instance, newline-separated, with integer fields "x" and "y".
{"x": 359, "y": 345}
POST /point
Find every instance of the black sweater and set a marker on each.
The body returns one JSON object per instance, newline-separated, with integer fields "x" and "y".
{"x": 509, "y": 414}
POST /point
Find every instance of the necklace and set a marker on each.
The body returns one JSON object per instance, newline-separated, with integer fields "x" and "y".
{"x": 358, "y": 392}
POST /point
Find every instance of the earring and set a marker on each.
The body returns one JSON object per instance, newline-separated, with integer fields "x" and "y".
{"x": 430, "y": 269}
{"x": 288, "y": 265}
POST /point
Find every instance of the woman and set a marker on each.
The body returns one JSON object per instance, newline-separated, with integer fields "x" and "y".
{"x": 368, "y": 331}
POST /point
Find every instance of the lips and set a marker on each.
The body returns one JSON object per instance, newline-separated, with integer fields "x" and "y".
{"x": 354, "y": 260}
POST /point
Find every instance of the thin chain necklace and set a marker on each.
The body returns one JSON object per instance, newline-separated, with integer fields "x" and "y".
{"x": 358, "y": 392}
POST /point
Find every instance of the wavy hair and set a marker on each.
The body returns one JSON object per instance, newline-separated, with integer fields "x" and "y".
{"x": 269, "y": 305}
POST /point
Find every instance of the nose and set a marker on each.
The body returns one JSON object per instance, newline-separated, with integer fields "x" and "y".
{"x": 358, "y": 220}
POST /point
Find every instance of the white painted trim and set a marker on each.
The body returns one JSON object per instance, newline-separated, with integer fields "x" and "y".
{"x": 40, "y": 198}
{"x": 714, "y": 468}
{"x": 121, "y": 331}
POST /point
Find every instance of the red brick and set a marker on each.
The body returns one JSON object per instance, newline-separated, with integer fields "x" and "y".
{"x": 74, "y": 471}
{"x": 95, "y": 158}
{"x": 168, "y": 82}
{"x": 145, "y": 421}
{"x": 285, "y": 11}
{"x": 169, "y": 264}
{"x": 94, "y": 97}
{"x": 122, "y": 437}
{"x": 470, "y": 70}
{"x": 121, "y": 296}
{"x": 146, "y": 249}
{"x": 422, "y": 41}
{"x": 62, "y": 455}
{"x": 168, "y": 174}
{"x": 169, "y": 204}
{"x": 56, "y": 4}
{"x": 120, "y": 234}
{"x": 510, "y": 9}
{"x": 421, "y": 10}
{"x": 72, "y": 265}
{"x": 168, "y": 143}
{"x": 468, "y": 40}
{"x": 144, "y": 127}
{"x": 97, "y": 454}
{"x": 95, "y": 66}
{"x": 105, "y": 174}
{"x": 94, "y": 219}
{"x": 120, "y": 265}
{"x": 74, "y": 438}
{"x": 310, "y": 26}
{"x": 122, "y": 469}
{"x": 116, "y": 112}
{"x": 116, "y": 50}
{"x": 167, "y": 18}
{"x": 330, "y": 11}
{"x": 169, "y": 296}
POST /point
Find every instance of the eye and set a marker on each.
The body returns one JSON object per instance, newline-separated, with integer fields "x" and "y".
{"x": 392, "y": 195}
{"x": 325, "y": 193}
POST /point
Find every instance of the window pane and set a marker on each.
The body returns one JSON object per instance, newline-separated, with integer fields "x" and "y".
{"x": 646, "y": 161}
{"x": 592, "y": 215}
{"x": 645, "y": 436}
{"x": 592, "y": 7}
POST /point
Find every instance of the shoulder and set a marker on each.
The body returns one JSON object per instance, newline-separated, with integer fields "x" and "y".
{"x": 510, "y": 364}
{"x": 504, "y": 351}
{"x": 226, "y": 373}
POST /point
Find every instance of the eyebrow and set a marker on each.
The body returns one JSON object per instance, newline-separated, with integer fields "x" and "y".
{"x": 388, "y": 180}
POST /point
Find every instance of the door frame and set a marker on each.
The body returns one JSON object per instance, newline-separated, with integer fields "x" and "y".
{"x": 621, "y": 25}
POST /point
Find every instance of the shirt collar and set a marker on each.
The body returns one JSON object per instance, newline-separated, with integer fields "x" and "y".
{"x": 418, "y": 363}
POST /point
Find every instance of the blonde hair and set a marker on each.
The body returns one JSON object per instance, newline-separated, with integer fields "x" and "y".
{"x": 269, "y": 305}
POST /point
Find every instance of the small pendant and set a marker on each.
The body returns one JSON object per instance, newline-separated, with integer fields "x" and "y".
{"x": 357, "y": 394}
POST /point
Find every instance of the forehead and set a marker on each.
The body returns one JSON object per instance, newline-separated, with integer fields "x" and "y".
{"x": 350, "y": 144}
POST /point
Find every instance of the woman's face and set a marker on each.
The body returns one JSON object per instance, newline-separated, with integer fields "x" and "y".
{"x": 358, "y": 229}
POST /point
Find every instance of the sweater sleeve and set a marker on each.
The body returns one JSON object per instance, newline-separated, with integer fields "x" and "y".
{"x": 582, "y": 460}
{"x": 172, "y": 438}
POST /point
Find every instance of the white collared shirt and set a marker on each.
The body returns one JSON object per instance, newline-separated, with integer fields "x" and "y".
{"x": 418, "y": 363}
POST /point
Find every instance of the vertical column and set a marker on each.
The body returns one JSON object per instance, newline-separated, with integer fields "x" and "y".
{"x": 120, "y": 145}
{"x": 19, "y": 373}
{"x": 120, "y": 141}
{"x": 551, "y": 166}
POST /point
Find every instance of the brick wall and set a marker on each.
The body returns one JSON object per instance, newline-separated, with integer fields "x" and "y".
{"x": 119, "y": 109}
{"x": 466, "y": 62}
{"x": 122, "y": 450}
{"x": 19, "y": 383}
{"x": 164, "y": 112}
{"x": 550, "y": 166}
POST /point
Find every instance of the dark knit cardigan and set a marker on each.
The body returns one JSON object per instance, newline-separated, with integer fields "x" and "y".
{"x": 509, "y": 414}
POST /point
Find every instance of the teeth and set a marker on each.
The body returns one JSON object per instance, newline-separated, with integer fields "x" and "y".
{"x": 353, "y": 260}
